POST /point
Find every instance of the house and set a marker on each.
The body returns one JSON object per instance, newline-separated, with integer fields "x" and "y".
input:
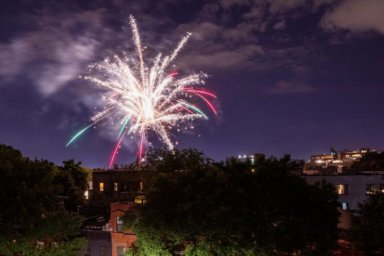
{"x": 121, "y": 238}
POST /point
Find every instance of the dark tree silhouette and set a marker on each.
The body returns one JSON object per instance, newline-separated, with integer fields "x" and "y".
{"x": 32, "y": 216}
{"x": 367, "y": 233}
{"x": 207, "y": 208}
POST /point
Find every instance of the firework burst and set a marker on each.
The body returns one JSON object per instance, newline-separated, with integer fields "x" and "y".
{"x": 144, "y": 98}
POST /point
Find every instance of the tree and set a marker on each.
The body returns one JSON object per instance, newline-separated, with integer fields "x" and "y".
{"x": 367, "y": 232}
{"x": 72, "y": 181}
{"x": 372, "y": 161}
{"x": 26, "y": 188}
{"x": 205, "y": 208}
{"x": 55, "y": 235}
{"x": 33, "y": 221}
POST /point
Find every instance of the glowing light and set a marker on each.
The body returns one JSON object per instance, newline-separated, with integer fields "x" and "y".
{"x": 145, "y": 98}
{"x": 78, "y": 134}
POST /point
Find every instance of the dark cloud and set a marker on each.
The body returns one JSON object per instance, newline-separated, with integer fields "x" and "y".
{"x": 263, "y": 56}
{"x": 284, "y": 87}
{"x": 356, "y": 16}
{"x": 55, "y": 53}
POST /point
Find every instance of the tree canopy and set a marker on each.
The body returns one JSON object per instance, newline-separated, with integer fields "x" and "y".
{"x": 367, "y": 233}
{"x": 36, "y": 198}
{"x": 372, "y": 161}
{"x": 202, "y": 207}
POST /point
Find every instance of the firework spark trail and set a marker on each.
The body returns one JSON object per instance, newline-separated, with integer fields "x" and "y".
{"x": 95, "y": 119}
{"x": 199, "y": 92}
{"x": 78, "y": 134}
{"x": 144, "y": 98}
{"x": 124, "y": 125}
{"x": 115, "y": 151}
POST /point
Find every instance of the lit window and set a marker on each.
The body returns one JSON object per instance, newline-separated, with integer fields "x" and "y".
{"x": 119, "y": 224}
{"x": 90, "y": 186}
{"x": 344, "y": 205}
{"x": 341, "y": 189}
{"x": 375, "y": 189}
{"x": 140, "y": 199}
{"x": 115, "y": 186}
{"x": 101, "y": 186}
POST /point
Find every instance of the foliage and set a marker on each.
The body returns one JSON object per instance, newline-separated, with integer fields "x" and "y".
{"x": 30, "y": 248}
{"x": 72, "y": 182}
{"x": 207, "y": 208}
{"x": 372, "y": 161}
{"x": 367, "y": 233}
{"x": 26, "y": 189}
{"x": 33, "y": 219}
{"x": 55, "y": 235}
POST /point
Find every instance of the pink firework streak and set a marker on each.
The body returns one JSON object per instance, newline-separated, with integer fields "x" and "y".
{"x": 144, "y": 98}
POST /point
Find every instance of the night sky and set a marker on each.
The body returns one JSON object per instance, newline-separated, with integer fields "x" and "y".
{"x": 292, "y": 76}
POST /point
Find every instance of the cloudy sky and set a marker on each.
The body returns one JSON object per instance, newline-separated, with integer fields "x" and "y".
{"x": 292, "y": 76}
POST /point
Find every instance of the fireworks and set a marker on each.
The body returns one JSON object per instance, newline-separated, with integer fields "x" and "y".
{"x": 146, "y": 98}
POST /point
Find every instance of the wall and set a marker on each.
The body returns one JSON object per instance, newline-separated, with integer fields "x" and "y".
{"x": 120, "y": 239}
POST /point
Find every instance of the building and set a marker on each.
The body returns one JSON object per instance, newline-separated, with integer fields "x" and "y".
{"x": 335, "y": 162}
{"x": 121, "y": 239}
{"x": 114, "y": 192}
{"x": 351, "y": 189}
{"x": 251, "y": 158}
{"x": 98, "y": 243}
{"x": 114, "y": 186}
{"x": 352, "y": 184}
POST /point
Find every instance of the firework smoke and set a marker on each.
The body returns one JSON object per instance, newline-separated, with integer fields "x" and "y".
{"x": 142, "y": 98}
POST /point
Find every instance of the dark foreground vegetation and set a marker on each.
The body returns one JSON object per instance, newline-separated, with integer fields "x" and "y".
{"x": 37, "y": 202}
{"x": 200, "y": 207}
{"x": 194, "y": 206}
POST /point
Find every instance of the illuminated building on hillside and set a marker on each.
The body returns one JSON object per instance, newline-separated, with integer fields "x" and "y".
{"x": 252, "y": 158}
{"x": 334, "y": 162}
{"x": 352, "y": 184}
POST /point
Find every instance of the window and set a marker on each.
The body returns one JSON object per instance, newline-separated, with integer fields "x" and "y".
{"x": 103, "y": 251}
{"x": 90, "y": 185}
{"x": 140, "y": 199}
{"x": 341, "y": 189}
{"x": 101, "y": 186}
{"x": 344, "y": 205}
{"x": 119, "y": 224}
{"x": 375, "y": 189}
{"x": 115, "y": 186}
{"x": 120, "y": 250}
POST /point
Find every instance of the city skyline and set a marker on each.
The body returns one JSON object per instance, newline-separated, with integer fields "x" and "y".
{"x": 296, "y": 77}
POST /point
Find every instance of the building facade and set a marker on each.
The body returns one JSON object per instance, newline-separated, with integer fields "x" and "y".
{"x": 352, "y": 183}
{"x": 98, "y": 243}
{"x": 351, "y": 189}
{"x": 121, "y": 238}
{"x": 114, "y": 186}
{"x": 114, "y": 191}
{"x": 335, "y": 162}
